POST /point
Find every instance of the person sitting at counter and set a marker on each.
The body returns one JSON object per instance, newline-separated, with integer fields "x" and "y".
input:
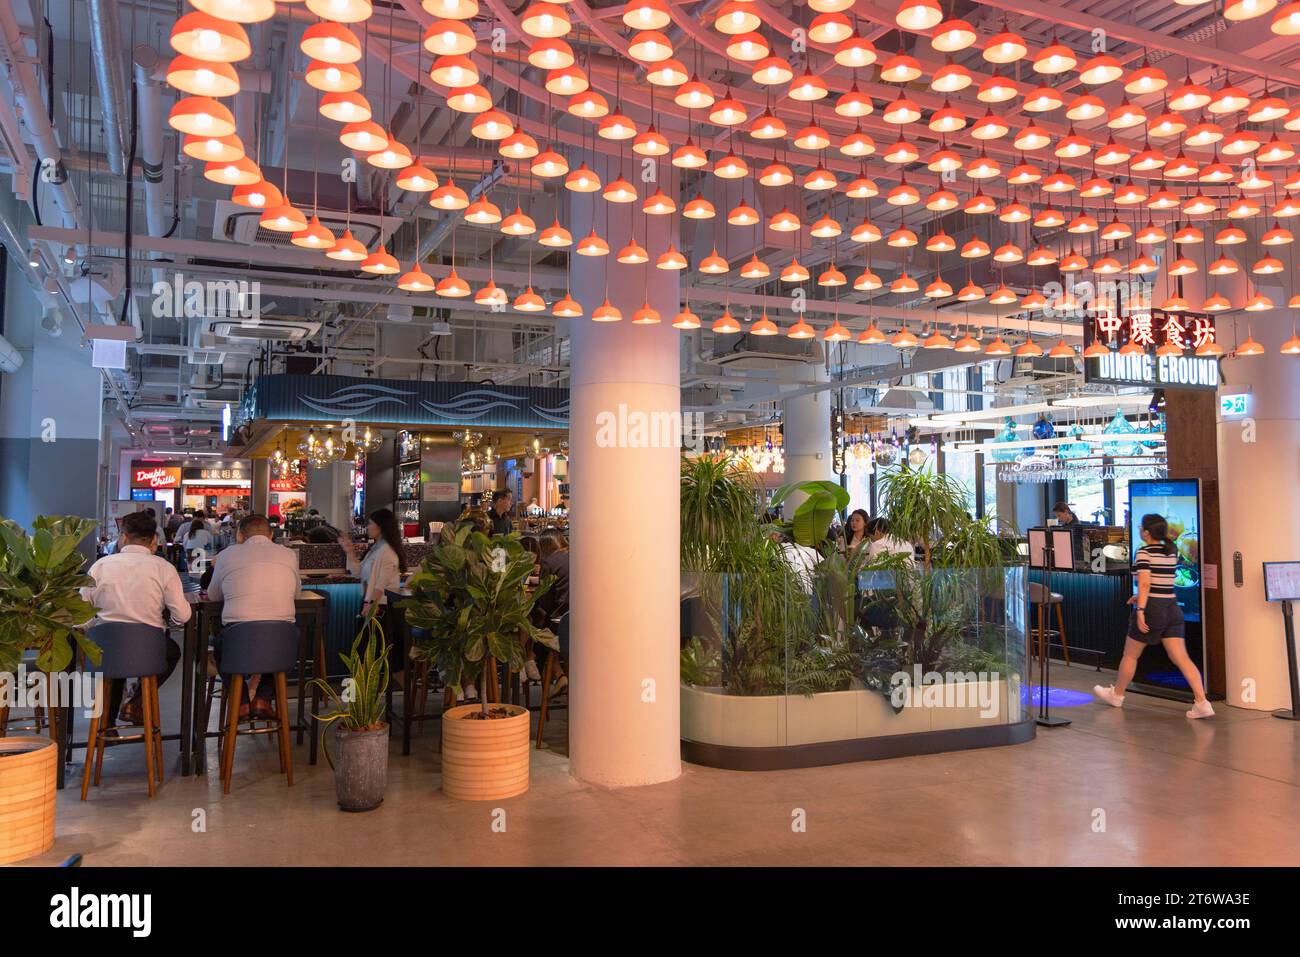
{"x": 1064, "y": 514}
{"x": 384, "y": 563}
{"x": 502, "y": 500}
{"x": 136, "y": 585}
{"x": 258, "y": 581}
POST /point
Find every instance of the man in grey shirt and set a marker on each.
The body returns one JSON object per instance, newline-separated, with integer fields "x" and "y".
{"x": 258, "y": 581}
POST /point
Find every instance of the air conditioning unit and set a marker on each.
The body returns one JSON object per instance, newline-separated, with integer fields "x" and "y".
{"x": 265, "y": 329}
{"x": 239, "y": 224}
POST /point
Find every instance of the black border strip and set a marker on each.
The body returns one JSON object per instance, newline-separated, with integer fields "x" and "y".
{"x": 857, "y": 749}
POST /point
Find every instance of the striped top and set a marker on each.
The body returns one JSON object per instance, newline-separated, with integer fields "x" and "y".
{"x": 1151, "y": 558}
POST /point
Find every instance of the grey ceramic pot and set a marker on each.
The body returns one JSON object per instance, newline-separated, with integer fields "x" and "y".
{"x": 360, "y": 768}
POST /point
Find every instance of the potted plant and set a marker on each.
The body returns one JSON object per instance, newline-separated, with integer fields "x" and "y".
{"x": 356, "y": 722}
{"x": 41, "y": 610}
{"x": 470, "y": 598}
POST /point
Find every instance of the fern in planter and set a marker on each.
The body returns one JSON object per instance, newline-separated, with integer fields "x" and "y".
{"x": 41, "y": 607}
{"x": 470, "y": 598}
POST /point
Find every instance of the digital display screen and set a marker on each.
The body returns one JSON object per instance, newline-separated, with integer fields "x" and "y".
{"x": 1178, "y": 501}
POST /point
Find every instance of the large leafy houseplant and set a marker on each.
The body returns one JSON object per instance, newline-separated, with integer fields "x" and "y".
{"x": 470, "y": 603}
{"x": 41, "y": 607}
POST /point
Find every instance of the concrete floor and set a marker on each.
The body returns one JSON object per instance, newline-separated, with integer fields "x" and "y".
{"x": 1173, "y": 792}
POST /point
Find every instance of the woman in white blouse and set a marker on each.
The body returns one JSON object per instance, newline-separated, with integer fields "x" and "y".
{"x": 384, "y": 563}
{"x": 198, "y": 545}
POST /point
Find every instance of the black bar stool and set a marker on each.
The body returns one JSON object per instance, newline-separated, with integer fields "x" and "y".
{"x": 255, "y": 647}
{"x": 130, "y": 650}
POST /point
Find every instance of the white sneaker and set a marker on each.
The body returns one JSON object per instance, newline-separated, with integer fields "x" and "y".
{"x": 1201, "y": 709}
{"x": 531, "y": 672}
{"x": 1108, "y": 695}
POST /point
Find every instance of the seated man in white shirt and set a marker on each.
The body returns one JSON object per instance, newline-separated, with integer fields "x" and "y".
{"x": 136, "y": 585}
{"x": 258, "y": 581}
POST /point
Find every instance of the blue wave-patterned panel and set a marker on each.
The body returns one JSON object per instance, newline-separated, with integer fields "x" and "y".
{"x": 327, "y": 398}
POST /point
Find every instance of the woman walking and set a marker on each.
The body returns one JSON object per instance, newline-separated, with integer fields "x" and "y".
{"x": 1156, "y": 618}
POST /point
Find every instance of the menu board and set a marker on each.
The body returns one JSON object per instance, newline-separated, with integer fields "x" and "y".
{"x": 1282, "y": 581}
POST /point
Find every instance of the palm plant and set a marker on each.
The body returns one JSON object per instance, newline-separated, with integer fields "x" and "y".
{"x": 469, "y": 598}
{"x": 719, "y": 498}
{"x": 922, "y": 506}
{"x": 41, "y": 607}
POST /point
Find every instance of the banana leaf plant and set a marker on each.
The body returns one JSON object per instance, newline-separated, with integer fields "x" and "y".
{"x": 812, "y": 518}
{"x": 41, "y": 607}
{"x": 469, "y": 604}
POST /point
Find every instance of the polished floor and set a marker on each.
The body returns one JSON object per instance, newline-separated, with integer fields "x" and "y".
{"x": 1132, "y": 787}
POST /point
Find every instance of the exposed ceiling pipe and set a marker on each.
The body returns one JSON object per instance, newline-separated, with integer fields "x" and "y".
{"x": 434, "y": 237}
{"x": 152, "y": 149}
{"x": 105, "y": 45}
{"x": 21, "y": 63}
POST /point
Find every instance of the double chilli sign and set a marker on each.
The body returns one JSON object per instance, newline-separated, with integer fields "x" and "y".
{"x": 155, "y": 476}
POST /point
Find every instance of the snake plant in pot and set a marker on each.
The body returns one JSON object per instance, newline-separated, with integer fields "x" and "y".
{"x": 471, "y": 607}
{"x": 41, "y": 610}
{"x": 355, "y": 723}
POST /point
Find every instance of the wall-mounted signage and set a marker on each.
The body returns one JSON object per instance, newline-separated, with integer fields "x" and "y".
{"x": 226, "y": 471}
{"x": 1134, "y": 340}
{"x": 403, "y": 402}
{"x": 1232, "y": 406}
{"x": 205, "y": 490}
{"x": 154, "y": 476}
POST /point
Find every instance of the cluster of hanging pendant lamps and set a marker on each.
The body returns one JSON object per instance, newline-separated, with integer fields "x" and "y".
{"x": 1249, "y": 175}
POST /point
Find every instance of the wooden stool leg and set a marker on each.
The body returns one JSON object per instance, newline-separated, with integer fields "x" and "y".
{"x": 4, "y": 721}
{"x": 146, "y": 705}
{"x": 106, "y": 722}
{"x": 235, "y": 694}
{"x": 1060, "y": 626}
{"x": 281, "y": 707}
{"x": 157, "y": 717}
{"x": 547, "y": 678}
{"x": 92, "y": 740}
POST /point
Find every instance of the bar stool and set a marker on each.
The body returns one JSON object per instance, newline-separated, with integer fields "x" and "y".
{"x": 255, "y": 647}
{"x": 130, "y": 650}
{"x": 549, "y": 677}
{"x": 1040, "y": 600}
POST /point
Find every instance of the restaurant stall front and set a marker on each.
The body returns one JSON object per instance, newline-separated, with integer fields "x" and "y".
{"x": 329, "y": 450}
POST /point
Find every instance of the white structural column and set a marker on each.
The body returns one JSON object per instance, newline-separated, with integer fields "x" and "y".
{"x": 1259, "y": 514}
{"x": 624, "y": 586}
{"x": 807, "y": 436}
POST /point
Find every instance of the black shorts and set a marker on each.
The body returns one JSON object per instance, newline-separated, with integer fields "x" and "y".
{"x": 1164, "y": 620}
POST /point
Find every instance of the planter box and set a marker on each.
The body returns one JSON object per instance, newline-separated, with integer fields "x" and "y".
{"x": 485, "y": 760}
{"x": 772, "y": 721}
{"x": 27, "y": 778}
